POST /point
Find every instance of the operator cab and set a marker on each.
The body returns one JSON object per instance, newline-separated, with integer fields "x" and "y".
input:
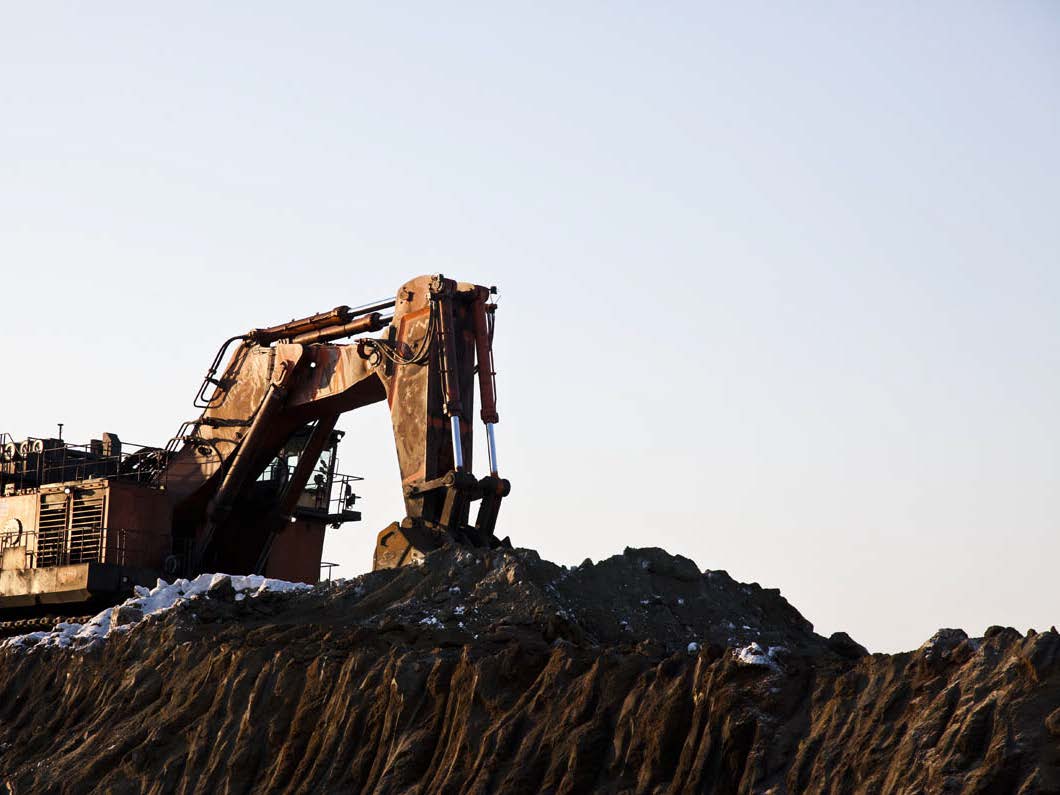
{"x": 328, "y": 495}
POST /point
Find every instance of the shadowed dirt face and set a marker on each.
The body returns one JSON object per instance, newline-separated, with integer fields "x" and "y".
{"x": 499, "y": 672}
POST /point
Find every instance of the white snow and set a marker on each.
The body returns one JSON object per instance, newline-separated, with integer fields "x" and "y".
{"x": 164, "y": 596}
{"x": 693, "y": 647}
{"x": 753, "y": 654}
{"x": 431, "y": 621}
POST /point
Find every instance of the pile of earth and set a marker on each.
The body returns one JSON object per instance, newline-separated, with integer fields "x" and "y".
{"x": 500, "y": 672}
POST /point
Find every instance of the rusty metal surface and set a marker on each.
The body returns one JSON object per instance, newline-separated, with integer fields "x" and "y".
{"x": 69, "y": 584}
{"x": 404, "y": 544}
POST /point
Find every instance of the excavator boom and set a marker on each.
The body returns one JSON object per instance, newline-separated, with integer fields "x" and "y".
{"x": 287, "y": 377}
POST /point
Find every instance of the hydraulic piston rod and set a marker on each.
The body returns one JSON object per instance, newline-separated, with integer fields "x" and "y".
{"x": 458, "y": 447}
{"x": 491, "y": 442}
{"x": 486, "y": 371}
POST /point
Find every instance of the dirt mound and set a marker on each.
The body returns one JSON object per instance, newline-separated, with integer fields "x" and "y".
{"x": 643, "y": 598}
{"x": 501, "y": 672}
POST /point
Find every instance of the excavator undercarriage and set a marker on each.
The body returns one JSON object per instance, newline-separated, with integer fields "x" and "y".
{"x": 250, "y": 485}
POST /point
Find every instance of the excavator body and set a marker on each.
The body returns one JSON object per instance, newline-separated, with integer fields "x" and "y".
{"x": 250, "y": 485}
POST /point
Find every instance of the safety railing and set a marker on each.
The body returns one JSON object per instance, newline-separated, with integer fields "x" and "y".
{"x": 37, "y": 462}
{"x": 341, "y": 496}
{"x": 317, "y": 495}
{"x": 92, "y": 545}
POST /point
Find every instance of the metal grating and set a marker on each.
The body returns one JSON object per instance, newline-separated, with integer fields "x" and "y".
{"x": 51, "y": 536}
{"x": 86, "y": 526}
{"x": 70, "y": 529}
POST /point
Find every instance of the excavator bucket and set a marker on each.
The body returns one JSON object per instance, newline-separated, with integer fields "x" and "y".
{"x": 400, "y": 546}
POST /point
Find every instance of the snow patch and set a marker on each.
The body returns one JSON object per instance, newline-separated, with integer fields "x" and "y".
{"x": 147, "y": 602}
{"x": 753, "y": 654}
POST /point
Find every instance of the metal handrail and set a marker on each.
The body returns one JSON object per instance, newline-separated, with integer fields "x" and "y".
{"x": 342, "y": 497}
{"x": 86, "y": 545}
{"x": 63, "y": 462}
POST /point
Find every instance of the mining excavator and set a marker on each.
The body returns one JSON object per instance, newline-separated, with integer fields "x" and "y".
{"x": 251, "y": 484}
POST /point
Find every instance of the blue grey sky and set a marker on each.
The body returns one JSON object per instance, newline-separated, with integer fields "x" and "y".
{"x": 779, "y": 282}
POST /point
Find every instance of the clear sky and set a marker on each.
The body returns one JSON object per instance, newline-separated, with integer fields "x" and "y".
{"x": 779, "y": 283}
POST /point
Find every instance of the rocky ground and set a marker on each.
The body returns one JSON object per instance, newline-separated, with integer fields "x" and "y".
{"x": 497, "y": 671}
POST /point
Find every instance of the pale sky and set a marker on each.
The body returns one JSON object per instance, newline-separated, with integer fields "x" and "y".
{"x": 778, "y": 284}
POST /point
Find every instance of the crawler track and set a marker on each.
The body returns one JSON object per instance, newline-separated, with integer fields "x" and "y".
{"x": 23, "y": 626}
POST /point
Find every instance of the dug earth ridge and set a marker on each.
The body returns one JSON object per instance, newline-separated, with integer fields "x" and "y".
{"x": 488, "y": 672}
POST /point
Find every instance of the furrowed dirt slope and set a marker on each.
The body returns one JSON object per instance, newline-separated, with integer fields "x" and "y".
{"x": 498, "y": 672}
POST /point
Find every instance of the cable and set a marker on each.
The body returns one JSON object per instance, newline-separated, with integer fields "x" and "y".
{"x": 423, "y": 349}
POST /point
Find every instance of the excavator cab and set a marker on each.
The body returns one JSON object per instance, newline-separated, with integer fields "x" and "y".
{"x": 322, "y": 491}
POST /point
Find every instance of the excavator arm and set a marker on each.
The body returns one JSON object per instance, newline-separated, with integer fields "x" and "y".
{"x": 286, "y": 379}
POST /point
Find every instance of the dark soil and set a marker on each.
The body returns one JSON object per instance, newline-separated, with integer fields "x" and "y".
{"x": 499, "y": 672}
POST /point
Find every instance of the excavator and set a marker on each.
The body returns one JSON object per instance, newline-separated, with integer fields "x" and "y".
{"x": 251, "y": 484}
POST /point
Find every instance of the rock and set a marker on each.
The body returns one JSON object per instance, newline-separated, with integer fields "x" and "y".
{"x": 845, "y": 646}
{"x": 997, "y": 631}
{"x": 125, "y": 614}
{"x": 1043, "y": 654}
{"x": 222, "y": 589}
{"x": 975, "y": 732}
{"x": 663, "y": 564}
{"x": 942, "y": 643}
